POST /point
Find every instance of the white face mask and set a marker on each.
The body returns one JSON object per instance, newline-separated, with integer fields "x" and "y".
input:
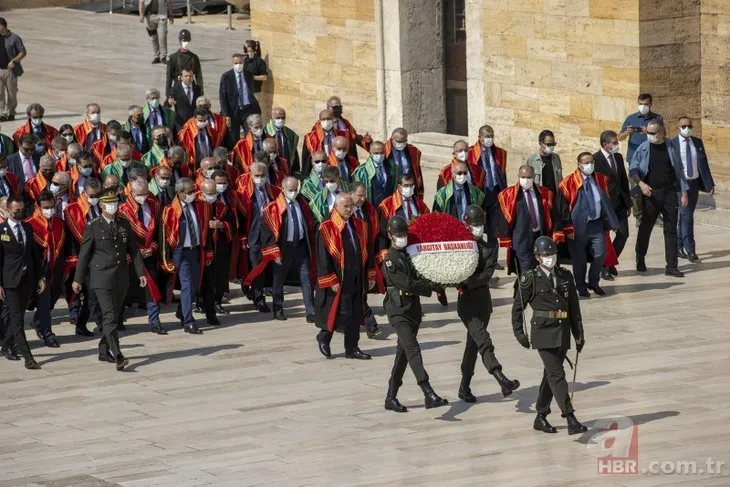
{"x": 154, "y": 103}
{"x": 221, "y": 188}
{"x": 587, "y": 168}
{"x": 291, "y": 195}
{"x": 71, "y": 160}
{"x": 461, "y": 155}
{"x": 279, "y": 122}
{"x": 273, "y": 156}
{"x": 140, "y": 199}
{"x": 3, "y": 172}
{"x": 93, "y": 201}
{"x": 643, "y": 109}
{"x": 259, "y": 181}
{"x": 94, "y": 118}
{"x": 527, "y": 183}
{"x": 86, "y": 171}
{"x": 477, "y": 231}
{"x": 460, "y": 179}
{"x": 54, "y": 188}
{"x": 48, "y": 212}
{"x": 126, "y": 164}
{"x": 257, "y": 132}
{"x": 685, "y": 132}
{"x": 36, "y": 121}
{"x": 549, "y": 261}
{"x": 238, "y": 67}
{"x": 326, "y": 125}
{"x": 332, "y": 187}
{"x": 615, "y": 149}
{"x": 400, "y": 242}
{"x": 209, "y": 173}
{"x": 210, "y": 198}
{"x": 189, "y": 198}
{"x": 111, "y": 208}
{"x": 407, "y": 191}
{"x": 400, "y": 145}
{"x": 201, "y": 125}
{"x": 163, "y": 183}
{"x": 487, "y": 142}
{"x": 378, "y": 159}
{"x": 69, "y": 138}
{"x": 340, "y": 154}
{"x": 319, "y": 167}
{"x": 184, "y": 44}
{"x": 653, "y": 139}
{"x": 548, "y": 149}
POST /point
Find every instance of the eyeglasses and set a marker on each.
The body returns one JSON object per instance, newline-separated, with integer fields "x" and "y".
{"x": 319, "y": 161}
{"x": 551, "y": 145}
{"x": 460, "y": 173}
{"x": 686, "y": 126}
{"x": 651, "y": 133}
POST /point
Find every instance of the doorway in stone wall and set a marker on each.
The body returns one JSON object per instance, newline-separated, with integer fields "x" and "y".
{"x": 455, "y": 67}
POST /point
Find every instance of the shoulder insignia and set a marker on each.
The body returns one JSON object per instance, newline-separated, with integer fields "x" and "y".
{"x": 388, "y": 264}
{"x": 524, "y": 277}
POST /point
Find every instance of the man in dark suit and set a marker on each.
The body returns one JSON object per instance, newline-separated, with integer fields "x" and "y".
{"x": 236, "y": 96}
{"x": 24, "y": 163}
{"x": 107, "y": 241}
{"x": 457, "y": 194}
{"x": 20, "y": 273}
{"x": 699, "y": 178}
{"x": 610, "y": 163}
{"x": 183, "y": 95}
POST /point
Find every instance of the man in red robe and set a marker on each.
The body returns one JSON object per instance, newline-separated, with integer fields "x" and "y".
{"x": 345, "y": 128}
{"x": 226, "y": 209}
{"x": 91, "y": 129}
{"x": 475, "y": 176}
{"x": 345, "y": 271}
{"x": 220, "y": 154}
{"x": 197, "y": 140}
{"x": 9, "y": 184}
{"x": 278, "y": 167}
{"x": 342, "y": 160}
{"x": 42, "y": 180}
{"x": 36, "y": 126}
{"x": 216, "y": 122}
{"x": 107, "y": 144}
{"x": 244, "y": 150}
{"x": 320, "y": 138}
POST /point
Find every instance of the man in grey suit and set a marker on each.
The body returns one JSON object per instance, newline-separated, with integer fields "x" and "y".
{"x": 24, "y": 163}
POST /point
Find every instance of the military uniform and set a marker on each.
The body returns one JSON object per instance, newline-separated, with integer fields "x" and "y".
{"x": 556, "y": 314}
{"x": 103, "y": 255}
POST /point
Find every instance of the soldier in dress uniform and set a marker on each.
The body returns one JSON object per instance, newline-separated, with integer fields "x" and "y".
{"x": 402, "y": 304}
{"x": 107, "y": 241}
{"x": 550, "y": 290}
{"x": 474, "y": 307}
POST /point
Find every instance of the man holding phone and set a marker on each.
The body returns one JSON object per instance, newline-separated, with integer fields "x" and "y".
{"x": 634, "y": 128}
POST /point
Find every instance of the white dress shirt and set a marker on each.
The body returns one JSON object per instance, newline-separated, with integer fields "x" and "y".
{"x": 683, "y": 142}
{"x": 186, "y": 242}
{"x": 14, "y": 226}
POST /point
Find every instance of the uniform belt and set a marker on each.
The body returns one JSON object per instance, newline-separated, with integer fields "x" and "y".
{"x": 550, "y": 314}
{"x": 403, "y": 293}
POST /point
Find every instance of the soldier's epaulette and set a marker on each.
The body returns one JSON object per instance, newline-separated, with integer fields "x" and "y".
{"x": 388, "y": 263}
{"x": 527, "y": 278}
{"x": 564, "y": 273}
{"x": 93, "y": 220}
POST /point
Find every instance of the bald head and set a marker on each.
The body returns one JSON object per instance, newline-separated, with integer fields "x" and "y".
{"x": 208, "y": 187}
{"x": 207, "y": 163}
{"x": 74, "y": 150}
{"x": 526, "y": 171}
{"x": 326, "y": 114}
{"x": 278, "y": 112}
{"x": 340, "y": 143}
{"x": 290, "y": 183}
{"x": 140, "y": 188}
{"x": 270, "y": 145}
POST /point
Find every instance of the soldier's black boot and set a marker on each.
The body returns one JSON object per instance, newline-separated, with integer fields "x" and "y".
{"x": 465, "y": 391}
{"x": 574, "y": 427}
{"x": 392, "y": 403}
{"x": 541, "y": 424}
{"x": 507, "y": 385}
{"x": 432, "y": 400}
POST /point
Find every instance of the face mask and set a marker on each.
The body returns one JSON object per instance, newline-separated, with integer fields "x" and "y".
{"x": 685, "y": 132}
{"x": 3, "y": 172}
{"x": 653, "y": 139}
{"x": 221, "y": 188}
{"x": 400, "y": 242}
{"x": 209, "y": 173}
{"x": 340, "y": 154}
{"x": 69, "y": 138}
{"x": 201, "y": 125}
{"x": 126, "y": 164}
{"x": 48, "y": 212}
{"x": 154, "y": 103}
{"x": 291, "y": 195}
{"x": 36, "y": 121}
{"x": 94, "y": 118}
{"x": 615, "y": 149}
{"x": 48, "y": 174}
{"x": 93, "y": 201}
{"x": 643, "y": 109}
{"x": 210, "y": 198}
{"x": 319, "y": 167}
{"x": 526, "y": 183}
{"x": 111, "y": 208}
{"x": 163, "y": 183}
{"x": 487, "y": 142}
{"x": 163, "y": 142}
{"x": 238, "y": 68}
{"x": 332, "y": 187}
{"x": 587, "y": 168}
{"x": 326, "y": 125}
{"x": 259, "y": 181}
{"x": 407, "y": 191}
{"x": 378, "y": 159}
{"x": 257, "y": 132}
{"x": 460, "y": 179}
{"x": 461, "y": 155}
{"x": 40, "y": 149}
{"x": 279, "y": 122}
{"x": 55, "y": 188}
{"x": 400, "y": 145}
{"x": 85, "y": 171}
{"x": 548, "y": 262}
{"x": 337, "y": 111}
{"x": 184, "y": 44}
{"x": 17, "y": 216}
{"x": 71, "y": 160}
{"x": 548, "y": 149}
{"x": 273, "y": 156}
{"x": 477, "y": 231}
{"x": 189, "y": 198}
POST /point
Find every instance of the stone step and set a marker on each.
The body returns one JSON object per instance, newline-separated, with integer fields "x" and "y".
{"x": 713, "y": 209}
{"x": 436, "y": 148}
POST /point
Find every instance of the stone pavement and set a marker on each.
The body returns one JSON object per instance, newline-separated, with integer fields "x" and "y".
{"x": 254, "y": 403}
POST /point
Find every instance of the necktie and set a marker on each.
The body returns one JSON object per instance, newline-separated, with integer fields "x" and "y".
{"x": 5, "y": 191}
{"x": 459, "y": 202}
{"x": 327, "y": 143}
{"x": 283, "y": 149}
{"x": 241, "y": 96}
{"x": 295, "y": 221}
{"x": 264, "y": 199}
{"x": 591, "y": 202}
{"x": 407, "y": 209}
{"x": 352, "y": 236}
{"x": 163, "y": 197}
{"x": 203, "y": 142}
{"x": 19, "y": 235}
{"x": 343, "y": 171}
{"x": 189, "y": 92}
{"x": 113, "y": 228}
{"x": 92, "y": 213}
{"x": 28, "y": 168}
{"x": 191, "y": 227}
{"x": 137, "y": 137}
{"x": 257, "y": 144}
{"x": 688, "y": 155}
{"x": 612, "y": 161}
{"x": 531, "y": 208}
{"x": 140, "y": 215}
{"x": 381, "y": 175}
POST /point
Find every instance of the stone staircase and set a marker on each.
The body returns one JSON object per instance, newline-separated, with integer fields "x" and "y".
{"x": 436, "y": 148}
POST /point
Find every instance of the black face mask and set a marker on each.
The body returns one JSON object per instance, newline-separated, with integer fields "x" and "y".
{"x": 337, "y": 111}
{"x": 136, "y": 121}
{"x": 18, "y": 215}
{"x": 48, "y": 174}
{"x": 163, "y": 142}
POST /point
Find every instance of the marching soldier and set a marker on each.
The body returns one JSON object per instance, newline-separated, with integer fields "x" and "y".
{"x": 474, "y": 307}
{"x": 556, "y": 314}
{"x": 402, "y": 304}
{"x": 107, "y": 241}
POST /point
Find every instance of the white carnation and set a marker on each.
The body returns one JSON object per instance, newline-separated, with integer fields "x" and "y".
{"x": 446, "y": 268}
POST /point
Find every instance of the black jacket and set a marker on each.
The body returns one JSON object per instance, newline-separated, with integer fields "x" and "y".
{"x": 13, "y": 257}
{"x": 183, "y": 107}
{"x": 403, "y": 288}
{"x": 178, "y": 61}
{"x": 475, "y": 300}
{"x": 618, "y": 182}
{"x": 228, "y": 90}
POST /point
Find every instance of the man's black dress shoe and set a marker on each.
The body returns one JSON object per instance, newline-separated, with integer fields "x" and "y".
{"x": 673, "y": 271}
{"x": 158, "y": 330}
{"x": 51, "y": 342}
{"x": 682, "y": 254}
{"x": 613, "y": 271}
{"x": 9, "y": 354}
{"x": 221, "y": 310}
{"x": 583, "y": 293}
{"x": 263, "y": 307}
{"x": 213, "y": 322}
{"x": 324, "y": 348}
{"x": 121, "y": 362}
{"x": 279, "y": 315}
{"x": 693, "y": 258}
{"x": 311, "y": 318}
{"x": 156, "y": 60}
{"x": 357, "y": 354}
{"x": 640, "y": 265}
{"x": 107, "y": 358}
{"x": 122, "y": 327}
{"x": 32, "y": 365}
{"x": 606, "y": 275}
{"x": 597, "y": 289}
{"x": 193, "y": 330}
{"x": 83, "y": 331}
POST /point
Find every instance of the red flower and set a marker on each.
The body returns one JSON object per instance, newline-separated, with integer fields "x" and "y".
{"x": 437, "y": 227}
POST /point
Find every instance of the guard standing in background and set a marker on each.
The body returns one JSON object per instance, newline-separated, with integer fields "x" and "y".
{"x": 157, "y": 13}
{"x": 181, "y": 59}
{"x": 402, "y": 304}
{"x": 556, "y": 313}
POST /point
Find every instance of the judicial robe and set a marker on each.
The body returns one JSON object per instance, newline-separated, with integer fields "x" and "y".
{"x": 273, "y": 235}
{"x": 83, "y": 130}
{"x": 7, "y": 145}
{"x": 154, "y": 157}
{"x": 247, "y": 202}
{"x": 36, "y": 185}
{"x": 443, "y": 201}
{"x": 376, "y": 245}
{"x": 351, "y": 162}
{"x": 290, "y": 152}
{"x": 121, "y": 172}
{"x": 49, "y": 236}
{"x": 101, "y": 148}
{"x": 333, "y": 267}
{"x": 476, "y": 173}
{"x": 311, "y": 186}
{"x": 168, "y": 119}
{"x": 366, "y": 174}
{"x": 188, "y": 140}
{"x": 313, "y": 141}
{"x": 217, "y": 130}
{"x": 49, "y": 133}
{"x": 391, "y": 206}
{"x": 112, "y": 156}
{"x": 319, "y": 205}
{"x": 13, "y": 183}
{"x": 474, "y": 157}
{"x": 242, "y": 153}
{"x": 349, "y": 132}
{"x": 147, "y": 239}
{"x": 224, "y": 239}
{"x": 413, "y": 154}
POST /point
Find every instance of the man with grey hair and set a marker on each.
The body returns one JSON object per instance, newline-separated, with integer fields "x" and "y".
{"x": 36, "y": 126}
{"x": 209, "y": 195}
{"x": 217, "y": 122}
{"x": 41, "y": 181}
{"x": 155, "y": 113}
{"x": 157, "y": 13}
{"x": 123, "y": 166}
{"x": 61, "y": 188}
{"x": 135, "y": 125}
{"x": 250, "y": 143}
{"x": 91, "y": 129}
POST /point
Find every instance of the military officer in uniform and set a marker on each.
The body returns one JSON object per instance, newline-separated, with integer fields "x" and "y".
{"x": 550, "y": 290}
{"x": 474, "y": 306}
{"x": 107, "y": 241}
{"x": 402, "y": 304}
